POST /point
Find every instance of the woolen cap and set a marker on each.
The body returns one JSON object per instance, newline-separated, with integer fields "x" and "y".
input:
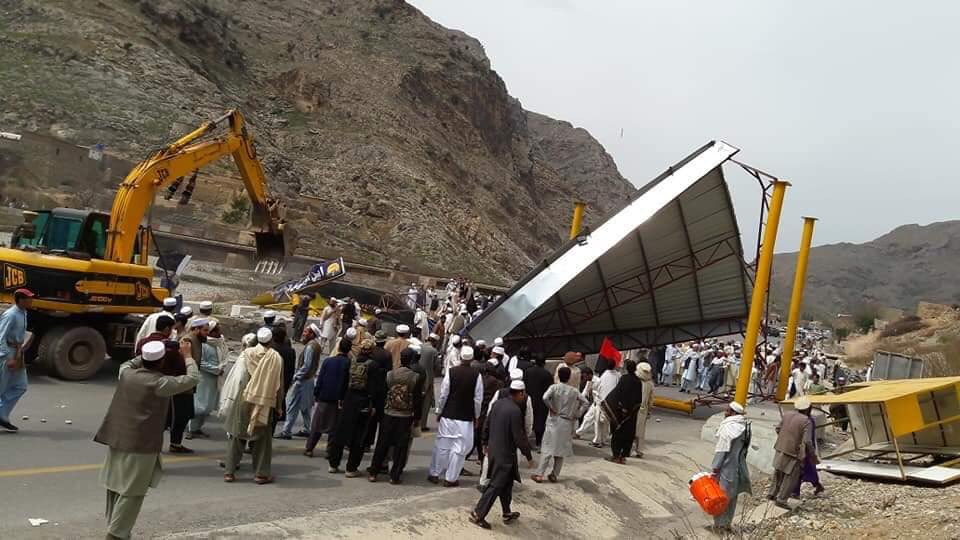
{"x": 152, "y": 351}
{"x": 264, "y": 335}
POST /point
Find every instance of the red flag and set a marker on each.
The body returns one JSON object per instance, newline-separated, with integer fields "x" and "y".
{"x": 608, "y": 351}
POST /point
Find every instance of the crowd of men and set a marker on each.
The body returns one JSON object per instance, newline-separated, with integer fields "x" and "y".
{"x": 367, "y": 392}
{"x": 370, "y": 392}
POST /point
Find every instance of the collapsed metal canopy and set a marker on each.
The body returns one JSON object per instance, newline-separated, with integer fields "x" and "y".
{"x": 668, "y": 267}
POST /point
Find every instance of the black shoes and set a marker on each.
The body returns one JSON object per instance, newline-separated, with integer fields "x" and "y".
{"x": 8, "y": 426}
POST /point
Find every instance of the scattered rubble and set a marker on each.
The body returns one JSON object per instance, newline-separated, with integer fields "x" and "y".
{"x": 851, "y": 508}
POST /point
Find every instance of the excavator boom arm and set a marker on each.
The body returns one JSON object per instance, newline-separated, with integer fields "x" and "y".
{"x": 186, "y": 155}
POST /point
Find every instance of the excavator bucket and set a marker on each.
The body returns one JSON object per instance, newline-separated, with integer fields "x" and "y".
{"x": 274, "y": 248}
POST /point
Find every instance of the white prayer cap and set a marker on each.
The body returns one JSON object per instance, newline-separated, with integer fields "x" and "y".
{"x": 645, "y": 367}
{"x": 314, "y": 328}
{"x": 516, "y": 374}
{"x": 433, "y": 336}
{"x": 463, "y": 310}
{"x": 455, "y": 339}
{"x": 493, "y": 361}
{"x": 169, "y": 302}
{"x": 466, "y": 353}
{"x": 378, "y": 311}
{"x": 269, "y": 314}
{"x": 449, "y": 309}
{"x": 211, "y": 323}
{"x": 264, "y": 335}
{"x": 362, "y": 322}
{"x": 481, "y": 343}
{"x": 351, "y": 333}
{"x": 152, "y": 351}
{"x": 498, "y": 342}
{"x": 517, "y": 385}
{"x": 206, "y": 304}
{"x": 250, "y": 339}
{"x": 498, "y": 350}
{"x": 802, "y": 404}
{"x": 736, "y": 407}
{"x": 333, "y": 299}
{"x": 198, "y": 322}
{"x": 186, "y": 310}
{"x": 415, "y": 347}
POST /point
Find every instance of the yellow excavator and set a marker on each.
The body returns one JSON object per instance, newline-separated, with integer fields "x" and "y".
{"x": 89, "y": 270}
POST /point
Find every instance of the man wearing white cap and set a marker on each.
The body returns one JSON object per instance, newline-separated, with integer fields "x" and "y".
{"x": 452, "y": 357}
{"x": 503, "y": 436}
{"x": 206, "y": 397}
{"x": 149, "y": 325}
{"x": 329, "y": 319}
{"x": 526, "y": 407}
{"x": 256, "y": 401}
{"x": 132, "y": 430}
{"x": 730, "y": 461}
{"x": 374, "y": 324}
{"x": 421, "y": 320}
{"x": 566, "y": 404}
{"x": 396, "y": 345}
{"x": 461, "y": 396}
{"x": 269, "y": 318}
{"x": 794, "y": 444}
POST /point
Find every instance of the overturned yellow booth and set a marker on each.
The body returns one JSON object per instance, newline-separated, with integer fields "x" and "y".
{"x": 906, "y": 429}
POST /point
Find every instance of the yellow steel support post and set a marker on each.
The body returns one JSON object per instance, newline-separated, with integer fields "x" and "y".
{"x": 578, "y": 208}
{"x": 799, "y": 281}
{"x": 760, "y": 285}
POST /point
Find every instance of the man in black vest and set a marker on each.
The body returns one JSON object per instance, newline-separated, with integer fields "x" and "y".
{"x": 132, "y": 430}
{"x": 461, "y": 395}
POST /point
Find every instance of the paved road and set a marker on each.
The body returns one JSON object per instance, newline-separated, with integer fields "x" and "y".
{"x": 49, "y": 470}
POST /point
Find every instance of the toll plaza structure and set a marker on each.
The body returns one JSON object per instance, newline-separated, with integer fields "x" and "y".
{"x": 667, "y": 267}
{"x": 907, "y": 430}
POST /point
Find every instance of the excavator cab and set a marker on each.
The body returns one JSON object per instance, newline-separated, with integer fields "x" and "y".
{"x": 63, "y": 231}
{"x": 78, "y": 234}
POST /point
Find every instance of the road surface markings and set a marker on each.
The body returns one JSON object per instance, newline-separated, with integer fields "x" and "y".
{"x": 34, "y": 471}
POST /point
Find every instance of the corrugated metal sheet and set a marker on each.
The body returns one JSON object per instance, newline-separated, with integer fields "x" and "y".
{"x": 882, "y": 391}
{"x": 668, "y": 267}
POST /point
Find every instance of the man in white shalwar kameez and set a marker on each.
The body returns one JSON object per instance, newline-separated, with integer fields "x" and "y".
{"x": 601, "y": 424}
{"x": 451, "y": 358}
{"x": 565, "y": 404}
{"x": 461, "y": 396}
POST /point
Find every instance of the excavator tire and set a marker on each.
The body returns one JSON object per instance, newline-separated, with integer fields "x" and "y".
{"x": 44, "y": 357}
{"x": 78, "y": 353}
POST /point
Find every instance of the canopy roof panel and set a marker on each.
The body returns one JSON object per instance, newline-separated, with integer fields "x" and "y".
{"x": 668, "y": 267}
{"x": 884, "y": 391}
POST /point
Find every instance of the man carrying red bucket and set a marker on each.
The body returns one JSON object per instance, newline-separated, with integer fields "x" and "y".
{"x": 717, "y": 493}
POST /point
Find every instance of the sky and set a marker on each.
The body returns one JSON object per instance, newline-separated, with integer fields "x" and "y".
{"x": 856, "y": 103}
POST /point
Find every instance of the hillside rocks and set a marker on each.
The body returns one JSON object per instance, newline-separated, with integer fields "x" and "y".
{"x": 389, "y": 137}
{"x": 910, "y": 264}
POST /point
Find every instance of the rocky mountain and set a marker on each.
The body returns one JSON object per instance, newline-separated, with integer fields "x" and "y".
{"x": 910, "y": 264}
{"x": 389, "y": 137}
